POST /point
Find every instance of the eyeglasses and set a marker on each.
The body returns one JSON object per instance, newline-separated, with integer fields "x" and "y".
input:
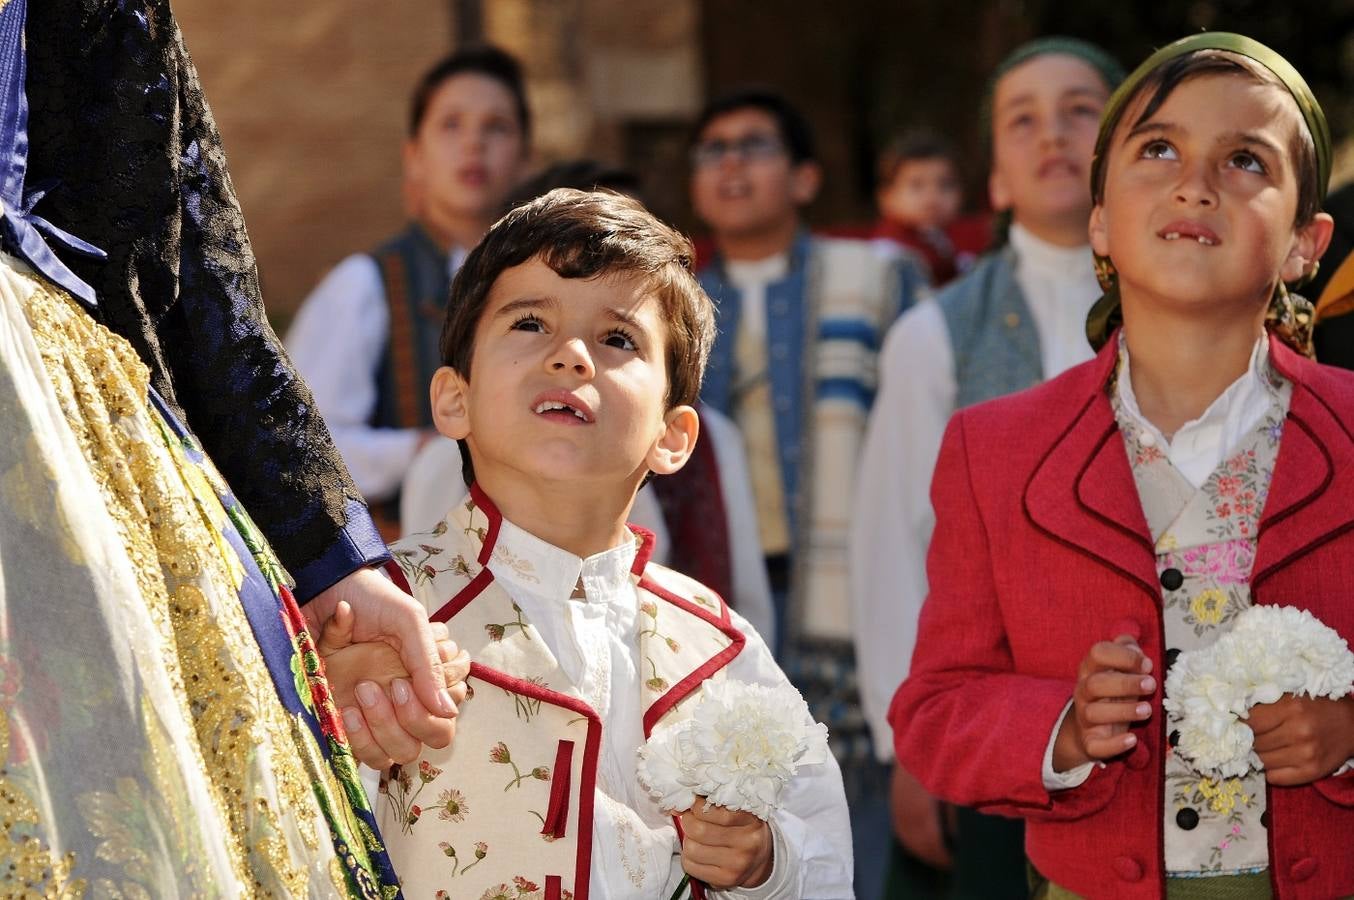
{"x": 747, "y": 149}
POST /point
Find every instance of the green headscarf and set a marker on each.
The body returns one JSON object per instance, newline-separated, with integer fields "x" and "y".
{"x": 1289, "y": 316}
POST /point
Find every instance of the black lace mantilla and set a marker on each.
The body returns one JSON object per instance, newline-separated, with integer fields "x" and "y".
{"x": 118, "y": 119}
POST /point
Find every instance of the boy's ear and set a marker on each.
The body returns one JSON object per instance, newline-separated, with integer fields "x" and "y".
{"x": 451, "y": 412}
{"x": 1309, "y": 243}
{"x": 1099, "y": 231}
{"x": 997, "y": 192}
{"x": 673, "y": 448}
{"x": 805, "y": 180}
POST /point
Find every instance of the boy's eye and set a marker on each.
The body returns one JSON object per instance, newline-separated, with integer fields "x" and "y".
{"x": 620, "y": 340}
{"x": 1243, "y": 159}
{"x": 1023, "y": 120}
{"x": 1158, "y": 149}
{"x": 1087, "y": 110}
{"x": 528, "y": 323}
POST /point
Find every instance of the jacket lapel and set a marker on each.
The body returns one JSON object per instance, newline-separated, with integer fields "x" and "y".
{"x": 1083, "y": 495}
{"x": 685, "y": 635}
{"x": 1309, "y": 498}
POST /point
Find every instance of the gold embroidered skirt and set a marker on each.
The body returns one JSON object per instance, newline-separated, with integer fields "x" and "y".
{"x": 151, "y": 747}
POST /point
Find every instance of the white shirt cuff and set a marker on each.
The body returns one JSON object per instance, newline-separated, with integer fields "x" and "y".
{"x": 1061, "y": 781}
{"x": 779, "y": 884}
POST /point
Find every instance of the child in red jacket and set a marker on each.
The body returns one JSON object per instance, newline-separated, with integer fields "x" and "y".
{"x": 1090, "y": 530}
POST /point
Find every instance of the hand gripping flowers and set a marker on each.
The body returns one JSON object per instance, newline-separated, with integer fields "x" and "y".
{"x": 740, "y": 748}
{"x": 1271, "y": 651}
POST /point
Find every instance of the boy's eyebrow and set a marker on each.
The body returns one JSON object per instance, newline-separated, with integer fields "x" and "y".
{"x": 1230, "y": 137}
{"x": 1072, "y": 92}
{"x": 625, "y": 318}
{"x": 514, "y": 306}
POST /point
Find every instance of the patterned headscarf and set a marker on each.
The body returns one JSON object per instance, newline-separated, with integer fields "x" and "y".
{"x": 1290, "y": 316}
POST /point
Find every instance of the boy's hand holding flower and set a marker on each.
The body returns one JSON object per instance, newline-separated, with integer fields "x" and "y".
{"x": 1273, "y": 693}
{"x": 1112, "y": 681}
{"x": 725, "y": 848}
{"x": 726, "y": 767}
{"x": 1301, "y": 739}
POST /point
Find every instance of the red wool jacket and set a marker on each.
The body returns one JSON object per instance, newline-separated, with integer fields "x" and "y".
{"x": 1041, "y": 549}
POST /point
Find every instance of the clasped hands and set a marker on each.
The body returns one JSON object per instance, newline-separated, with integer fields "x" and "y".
{"x": 397, "y": 679}
{"x": 1298, "y": 739}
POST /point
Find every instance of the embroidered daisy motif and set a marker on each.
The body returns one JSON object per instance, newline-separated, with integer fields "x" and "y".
{"x": 452, "y": 806}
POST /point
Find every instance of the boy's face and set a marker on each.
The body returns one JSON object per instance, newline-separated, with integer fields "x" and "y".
{"x": 1200, "y": 200}
{"x": 743, "y": 182}
{"x": 568, "y": 384}
{"x": 1045, "y": 118}
{"x": 469, "y": 149}
{"x": 924, "y": 193}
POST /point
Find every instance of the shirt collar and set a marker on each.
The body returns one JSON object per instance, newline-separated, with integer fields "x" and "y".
{"x": 1257, "y": 388}
{"x": 538, "y": 567}
{"x": 1047, "y": 259}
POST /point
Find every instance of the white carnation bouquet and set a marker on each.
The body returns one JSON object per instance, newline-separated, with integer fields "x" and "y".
{"x": 1270, "y": 651}
{"x": 739, "y": 749}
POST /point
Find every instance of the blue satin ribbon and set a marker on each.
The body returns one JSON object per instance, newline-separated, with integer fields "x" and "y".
{"x": 21, "y": 230}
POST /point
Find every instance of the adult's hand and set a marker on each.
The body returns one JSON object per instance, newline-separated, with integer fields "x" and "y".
{"x": 383, "y": 612}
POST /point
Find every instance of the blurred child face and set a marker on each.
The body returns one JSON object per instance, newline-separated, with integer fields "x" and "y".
{"x": 743, "y": 182}
{"x": 1045, "y": 118}
{"x": 923, "y": 193}
{"x": 469, "y": 150}
{"x": 1199, "y": 202}
{"x": 568, "y": 383}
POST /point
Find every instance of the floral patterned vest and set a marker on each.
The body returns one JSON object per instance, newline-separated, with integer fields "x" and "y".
{"x": 1205, "y": 547}
{"x": 506, "y": 811}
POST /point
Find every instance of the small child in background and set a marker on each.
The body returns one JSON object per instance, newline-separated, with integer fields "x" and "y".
{"x": 920, "y": 197}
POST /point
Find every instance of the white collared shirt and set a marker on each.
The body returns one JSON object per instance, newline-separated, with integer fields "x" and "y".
{"x": 892, "y": 517}
{"x": 594, "y": 638}
{"x": 336, "y": 342}
{"x": 1202, "y": 444}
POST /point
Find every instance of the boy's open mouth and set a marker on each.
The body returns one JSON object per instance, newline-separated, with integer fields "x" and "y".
{"x": 1189, "y": 231}
{"x": 562, "y": 409}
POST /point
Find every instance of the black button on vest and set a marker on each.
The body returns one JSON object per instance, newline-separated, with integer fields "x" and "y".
{"x": 1171, "y": 579}
{"x": 1174, "y": 739}
{"x": 1187, "y": 819}
{"x": 1172, "y": 654}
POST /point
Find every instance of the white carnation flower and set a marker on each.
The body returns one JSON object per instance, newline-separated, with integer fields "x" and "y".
{"x": 1270, "y": 651}
{"x": 740, "y": 748}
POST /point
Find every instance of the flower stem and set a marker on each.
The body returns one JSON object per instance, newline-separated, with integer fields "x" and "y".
{"x": 681, "y": 886}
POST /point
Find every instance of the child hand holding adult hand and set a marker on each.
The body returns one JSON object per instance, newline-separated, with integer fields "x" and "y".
{"x": 1302, "y": 739}
{"x": 1112, "y": 681}
{"x": 368, "y": 674}
{"x": 725, "y": 848}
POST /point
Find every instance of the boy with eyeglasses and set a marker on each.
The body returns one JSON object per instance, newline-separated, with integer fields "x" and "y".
{"x": 800, "y": 318}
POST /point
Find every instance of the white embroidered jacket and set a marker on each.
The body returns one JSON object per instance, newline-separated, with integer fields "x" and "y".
{"x": 510, "y": 810}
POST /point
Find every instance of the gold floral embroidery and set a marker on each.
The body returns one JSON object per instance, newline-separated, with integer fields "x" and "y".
{"x": 26, "y": 864}
{"x": 184, "y": 570}
{"x": 1208, "y": 606}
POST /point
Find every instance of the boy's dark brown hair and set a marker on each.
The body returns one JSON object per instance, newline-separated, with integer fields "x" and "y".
{"x": 1162, "y": 82}
{"x": 590, "y": 234}
{"x": 483, "y": 59}
{"x": 911, "y": 146}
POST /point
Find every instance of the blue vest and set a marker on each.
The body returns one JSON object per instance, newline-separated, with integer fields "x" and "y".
{"x": 992, "y": 332}
{"x": 793, "y": 324}
{"x": 414, "y": 277}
